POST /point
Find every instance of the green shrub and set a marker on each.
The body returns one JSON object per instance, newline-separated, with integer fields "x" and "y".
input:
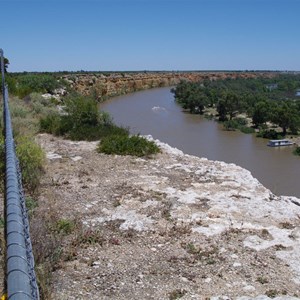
{"x": 125, "y": 145}
{"x": 88, "y": 237}
{"x": 81, "y": 111}
{"x": 80, "y": 114}
{"x": 31, "y": 158}
{"x": 40, "y": 105}
{"x": 230, "y": 125}
{"x": 297, "y": 151}
{"x": 246, "y": 129}
{"x": 238, "y": 123}
{"x": 105, "y": 118}
{"x": 2, "y": 222}
{"x": 18, "y": 110}
{"x": 31, "y": 205}
{"x": 269, "y": 134}
{"x": 241, "y": 121}
{"x": 11, "y": 84}
{"x": 51, "y": 124}
{"x": 64, "y": 226}
{"x": 41, "y": 83}
{"x": 108, "y": 130}
{"x": 209, "y": 116}
{"x": 82, "y": 121}
{"x": 93, "y": 133}
{"x": 26, "y": 114}
{"x": 177, "y": 294}
{"x": 24, "y": 126}
{"x": 23, "y": 91}
{"x": 23, "y": 121}
{"x": 263, "y": 127}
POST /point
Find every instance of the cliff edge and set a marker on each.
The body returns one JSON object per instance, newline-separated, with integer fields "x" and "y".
{"x": 105, "y": 85}
{"x": 171, "y": 226}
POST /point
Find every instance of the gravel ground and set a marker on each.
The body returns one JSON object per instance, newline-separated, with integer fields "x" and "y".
{"x": 168, "y": 227}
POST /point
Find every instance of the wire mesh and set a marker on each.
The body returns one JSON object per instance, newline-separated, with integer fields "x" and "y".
{"x": 21, "y": 282}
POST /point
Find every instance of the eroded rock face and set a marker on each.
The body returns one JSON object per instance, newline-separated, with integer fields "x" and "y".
{"x": 171, "y": 225}
{"x": 114, "y": 84}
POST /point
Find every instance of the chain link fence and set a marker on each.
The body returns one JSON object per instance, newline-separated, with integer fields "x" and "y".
{"x": 21, "y": 282}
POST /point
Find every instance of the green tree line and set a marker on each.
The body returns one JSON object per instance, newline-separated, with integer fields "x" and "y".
{"x": 262, "y": 99}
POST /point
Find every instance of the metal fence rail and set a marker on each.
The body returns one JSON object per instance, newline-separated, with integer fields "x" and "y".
{"x": 21, "y": 281}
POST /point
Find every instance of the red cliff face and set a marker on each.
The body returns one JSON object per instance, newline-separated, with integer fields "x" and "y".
{"x": 102, "y": 86}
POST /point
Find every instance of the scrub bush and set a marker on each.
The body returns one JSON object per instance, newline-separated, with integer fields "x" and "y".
{"x": 29, "y": 83}
{"x": 231, "y": 125}
{"x": 64, "y": 226}
{"x": 31, "y": 159}
{"x": 125, "y": 145}
{"x": 241, "y": 121}
{"x": 297, "y": 151}
{"x": 82, "y": 120}
{"x": 51, "y": 124}
{"x": 245, "y": 129}
{"x": 269, "y": 134}
{"x": 90, "y": 133}
{"x": 238, "y": 123}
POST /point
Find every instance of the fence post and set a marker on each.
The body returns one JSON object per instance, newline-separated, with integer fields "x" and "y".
{"x": 2, "y": 70}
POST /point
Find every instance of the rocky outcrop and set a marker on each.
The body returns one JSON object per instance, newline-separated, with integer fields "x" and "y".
{"x": 171, "y": 225}
{"x": 102, "y": 86}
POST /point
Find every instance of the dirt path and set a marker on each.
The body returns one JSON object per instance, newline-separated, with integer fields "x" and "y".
{"x": 168, "y": 227}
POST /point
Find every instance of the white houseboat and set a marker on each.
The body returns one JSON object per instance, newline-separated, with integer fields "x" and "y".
{"x": 278, "y": 143}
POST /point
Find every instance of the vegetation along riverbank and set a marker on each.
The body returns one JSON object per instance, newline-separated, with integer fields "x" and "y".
{"x": 268, "y": 106}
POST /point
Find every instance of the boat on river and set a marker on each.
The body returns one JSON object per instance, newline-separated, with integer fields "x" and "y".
{"x": 279, "y": 143}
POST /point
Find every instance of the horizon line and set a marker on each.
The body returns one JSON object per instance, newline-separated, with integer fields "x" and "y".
{"x": 160, "y": 71}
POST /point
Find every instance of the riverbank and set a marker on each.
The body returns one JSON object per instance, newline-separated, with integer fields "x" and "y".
{"x": 168, "y": 226}
{"x": 248, "y": 127}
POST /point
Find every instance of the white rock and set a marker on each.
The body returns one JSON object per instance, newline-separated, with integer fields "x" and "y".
{"x": 52, "y": 155}
{"x": 249, "y": 288}
{"x": 76, "y": 158}
{"x": 237, "y": 265}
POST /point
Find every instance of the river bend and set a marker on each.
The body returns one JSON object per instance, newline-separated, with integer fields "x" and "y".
{"x": 155, "y": 112}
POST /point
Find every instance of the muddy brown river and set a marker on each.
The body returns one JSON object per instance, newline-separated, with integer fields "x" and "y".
{"x": 155, "y": 112}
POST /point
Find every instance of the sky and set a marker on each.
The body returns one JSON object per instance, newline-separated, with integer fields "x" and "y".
{"x": 131, "y": 35}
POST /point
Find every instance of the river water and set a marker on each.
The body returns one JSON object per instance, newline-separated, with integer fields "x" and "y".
{"x": 155, "y": 112}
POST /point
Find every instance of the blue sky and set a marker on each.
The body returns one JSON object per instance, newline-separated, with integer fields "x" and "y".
{"x": 56, "y": 35}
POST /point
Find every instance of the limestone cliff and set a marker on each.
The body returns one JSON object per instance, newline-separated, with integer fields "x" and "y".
{"x": 103, "y": 86}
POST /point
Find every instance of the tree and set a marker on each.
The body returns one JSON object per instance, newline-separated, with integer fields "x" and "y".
{"x": 285, "y": 115}
{"x": 6, "y": 63}
{"x": 222, "y": 110}
{"x": 191, "y": 96}
{"x": 260, "y": 113}
{"x": 229, "y": 104}
{"x": 233, "y": 104}
{"x": 196, "y": 102}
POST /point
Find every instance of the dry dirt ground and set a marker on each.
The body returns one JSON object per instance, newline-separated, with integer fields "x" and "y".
{"x": 168, "y": 227}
